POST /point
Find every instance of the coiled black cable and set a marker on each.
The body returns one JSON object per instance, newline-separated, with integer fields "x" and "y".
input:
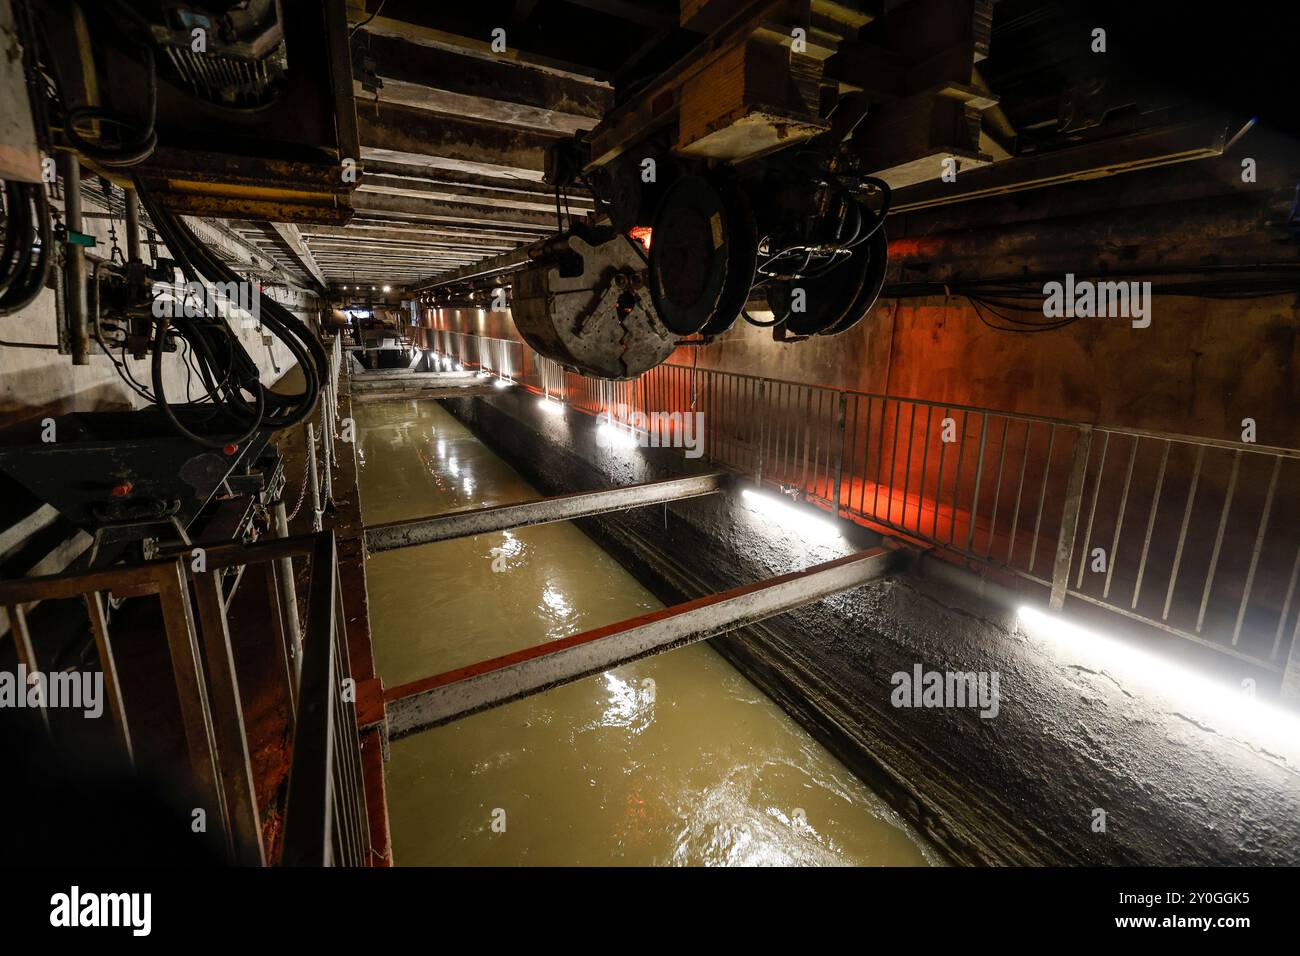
{"x": 229, "y": 373}
{"x": 137, "y": 144}
{"x": 21, "y": 276}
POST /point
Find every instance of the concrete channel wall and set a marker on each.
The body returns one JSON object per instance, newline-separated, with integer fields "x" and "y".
{"x": 1089, "y": 758}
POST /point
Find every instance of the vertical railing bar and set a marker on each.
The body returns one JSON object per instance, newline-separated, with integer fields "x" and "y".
{"x": 1182, "y": 533}
{"x": 309, "y": 824}
{"x": 880, "y": 457}
{"x": 1151, "y": 523}
{"x": 925, "y": 465}
{"x": 1218, "y": 539}
{"x": 1070, "y": 510}
{"x": 1042, "y": 496}
{"x": 866, "y": 458}
{"x": 853, "y": 451}
{"x": 979, "y": 478}
{"x": 938, "y": 488}
{"x": 1092, "y": 509}
{"x": 807, "y": 440}
{"x": 1257, "y": 549}
{"x": 816, "y": 424}
{"x": 907, "y": 465}
{"x": 783, "y": 437}
{"x": 956, "y": 482}
{"x": 191, "y": 689}
{"x": 1113, "y": 557}
{"x": 893, "y": 462}
{"x": 997, "y": 490}
{"x": 839, "y": 452}
{"x": 352, "y": 735}
{"x": 26, "y": 652}
{"x": 1020, "y": 493}
{"x": 227, "y": 717}
{"x": 108, "y": 664}
{"x": 1286, "y": 605}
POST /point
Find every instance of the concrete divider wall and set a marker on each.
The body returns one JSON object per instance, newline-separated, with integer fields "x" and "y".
{"x": 1077, "y": 730}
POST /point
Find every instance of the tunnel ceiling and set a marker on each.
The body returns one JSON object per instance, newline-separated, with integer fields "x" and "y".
{"x": 454, "y": 137}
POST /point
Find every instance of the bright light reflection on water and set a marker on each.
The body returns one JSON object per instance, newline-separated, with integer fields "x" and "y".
{"x": 676, "y": 759}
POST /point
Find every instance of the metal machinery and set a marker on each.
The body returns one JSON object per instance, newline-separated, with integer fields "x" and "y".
{"x": 155, "y": 110}
{"x": 748, "y": 174}
{"x": 738, "y": 181}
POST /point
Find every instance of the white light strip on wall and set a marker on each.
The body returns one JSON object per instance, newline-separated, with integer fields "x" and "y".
{"x": 801, "y": 519}
{"x": 1233, "y": 711}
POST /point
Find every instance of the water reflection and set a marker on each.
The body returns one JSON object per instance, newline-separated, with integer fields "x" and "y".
{"x": 676, "y": 759}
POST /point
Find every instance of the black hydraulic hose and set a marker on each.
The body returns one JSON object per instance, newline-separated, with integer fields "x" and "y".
{"x": 22, "y": 293}
{"x": 160, "y": 398}
{"x": 18, "y": 235}
{"x": 287, "y": 327}
{"x": 272, "y": 411}
{"x": 130, "y": 152}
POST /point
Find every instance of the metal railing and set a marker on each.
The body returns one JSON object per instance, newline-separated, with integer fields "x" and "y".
{"x": 326, "y": 822}
{"x": 1166, "y": 529}
{"x": 325, "y": 818}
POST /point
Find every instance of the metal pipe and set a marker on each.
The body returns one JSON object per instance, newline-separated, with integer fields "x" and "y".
{"x": 75, "y": 256}
{"x": 288, "y": 594}
{"x": 132, "y": 226}
{"x": 512, "y": 261}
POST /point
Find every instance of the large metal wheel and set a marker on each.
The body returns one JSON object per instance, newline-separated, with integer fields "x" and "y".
{"x": 689, "y": 251}
{"x": 877, "y": 249}
{"x": 827, "y": 300}
{"x": 742, "y": 258}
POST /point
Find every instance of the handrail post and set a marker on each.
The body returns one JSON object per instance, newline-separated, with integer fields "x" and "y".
{"x": 229, "y": 734}
{"x": 287, "y": 596}
{"x": 309, "y": 817}
{"x": 1070, "y": 517}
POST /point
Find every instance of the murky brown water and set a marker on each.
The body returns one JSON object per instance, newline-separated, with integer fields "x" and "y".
{"x": 673, "y": 760}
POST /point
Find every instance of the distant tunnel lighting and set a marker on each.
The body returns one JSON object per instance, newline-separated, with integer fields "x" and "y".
{"x": 1255, "y": 718}
{"x": 801, "y": 519}
{"x": 550, "y": 406}
{"x": 388, "y": 288}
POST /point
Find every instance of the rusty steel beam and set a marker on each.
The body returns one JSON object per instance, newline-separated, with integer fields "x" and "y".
{"x": 367, "y": 199}
{"x": 423, "y": 187}
{"x": 291, "y": 241}
{"x": 496, "y": 89}
{"x": 398, "y": 134}
{"x": 433, "y": 701}
{"x": 460, "y": 524}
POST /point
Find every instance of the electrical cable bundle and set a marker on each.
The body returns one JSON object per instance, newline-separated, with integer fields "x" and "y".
{"x": 829, "y": 241}
{"x": 827, "y": 246}
{"x": 1012, "y": 302}
{"x": 134, "y": 143}
{"x": 229, "y": 374}
{"x": 24, "y": 266}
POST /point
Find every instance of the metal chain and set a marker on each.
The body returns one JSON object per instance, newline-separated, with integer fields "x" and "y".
{"x": 302, "y": 496}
